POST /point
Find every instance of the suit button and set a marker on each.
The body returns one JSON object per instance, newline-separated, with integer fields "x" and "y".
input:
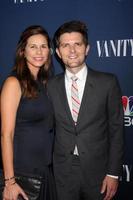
{"x": 83, "y": 152}
{"x": 51, "y": 130}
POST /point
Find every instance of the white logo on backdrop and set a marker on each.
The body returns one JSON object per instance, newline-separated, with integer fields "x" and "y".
{"x": 115, "y": 48}
{"x": 127, "y": 173}
{"x": 27, "y": 1}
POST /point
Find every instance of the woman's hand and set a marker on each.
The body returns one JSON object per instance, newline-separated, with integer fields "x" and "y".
{"x": 12, "y": 191}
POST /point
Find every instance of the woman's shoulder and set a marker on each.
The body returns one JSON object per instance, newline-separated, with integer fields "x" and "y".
{"x": 12, "y": 78}
{"x": 13, "y": 73}
{"x": 11, "y": 82}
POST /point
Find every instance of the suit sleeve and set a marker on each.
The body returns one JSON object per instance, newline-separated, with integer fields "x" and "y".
{"x": 115, "y": 124}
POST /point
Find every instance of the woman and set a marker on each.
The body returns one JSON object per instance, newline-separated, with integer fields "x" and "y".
{"x": 27, "y": 118}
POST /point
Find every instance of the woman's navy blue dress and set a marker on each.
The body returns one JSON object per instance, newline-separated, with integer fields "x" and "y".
{"x": 33, "y": 138}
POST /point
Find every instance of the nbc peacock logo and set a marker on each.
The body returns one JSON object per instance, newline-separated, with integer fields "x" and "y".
{"x": 128, "y": 110}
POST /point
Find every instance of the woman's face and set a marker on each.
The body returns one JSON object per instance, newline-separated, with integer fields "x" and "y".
{"x": 36, "y": 52}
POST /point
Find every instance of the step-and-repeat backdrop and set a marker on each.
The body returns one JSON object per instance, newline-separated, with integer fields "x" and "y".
{"x": 110, "y": 24}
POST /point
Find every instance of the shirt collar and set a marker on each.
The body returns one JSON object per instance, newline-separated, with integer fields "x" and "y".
{"x": 81, "y": 75}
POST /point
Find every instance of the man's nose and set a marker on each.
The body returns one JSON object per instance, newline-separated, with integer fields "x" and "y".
{"x": 72, "y": 48}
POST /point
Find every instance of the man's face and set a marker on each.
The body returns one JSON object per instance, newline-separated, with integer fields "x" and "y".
{"x": 72, "y": 50}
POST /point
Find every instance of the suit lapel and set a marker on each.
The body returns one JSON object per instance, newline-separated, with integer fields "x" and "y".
{"x": 63, "y": 95}
{"x": 88, "y": 90}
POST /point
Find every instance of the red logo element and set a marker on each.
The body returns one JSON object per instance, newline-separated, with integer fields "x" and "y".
{"x": 128, "y": 105}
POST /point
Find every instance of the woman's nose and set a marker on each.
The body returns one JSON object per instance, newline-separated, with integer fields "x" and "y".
{"x": 39, "y": 50}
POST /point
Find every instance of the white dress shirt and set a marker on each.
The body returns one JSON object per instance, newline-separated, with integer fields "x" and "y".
{"x": 81, "y": 75}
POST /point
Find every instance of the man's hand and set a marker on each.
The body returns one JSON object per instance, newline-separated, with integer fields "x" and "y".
{"x": 109, "y": 187}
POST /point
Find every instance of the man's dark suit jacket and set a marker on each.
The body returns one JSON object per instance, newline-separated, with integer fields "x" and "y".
{"x": 99, "y": 130}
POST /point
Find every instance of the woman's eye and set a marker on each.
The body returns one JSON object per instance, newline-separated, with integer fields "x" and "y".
{"x": 44, "y": 46}
{"x": 32, "y": 47}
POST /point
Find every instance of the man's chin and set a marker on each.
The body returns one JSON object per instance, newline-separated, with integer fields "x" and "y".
{"x": 73, "y": 65}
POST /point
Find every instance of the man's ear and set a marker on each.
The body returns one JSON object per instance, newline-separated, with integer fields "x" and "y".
{"x": 58, "y": 52}
{"x": 87, "y": 49}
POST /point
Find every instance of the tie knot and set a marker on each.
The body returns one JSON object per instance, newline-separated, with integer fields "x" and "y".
{"x": 74, "y": 78}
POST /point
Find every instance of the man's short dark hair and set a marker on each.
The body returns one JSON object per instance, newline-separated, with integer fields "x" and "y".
{"x": 69, "y": 27}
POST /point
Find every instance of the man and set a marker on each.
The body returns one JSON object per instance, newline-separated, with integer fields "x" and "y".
{"x": 88, "y": 147}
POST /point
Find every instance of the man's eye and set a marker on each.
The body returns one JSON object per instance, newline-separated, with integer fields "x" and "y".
{"x": 78, "y": 44}
{"x": 64, "y": 45}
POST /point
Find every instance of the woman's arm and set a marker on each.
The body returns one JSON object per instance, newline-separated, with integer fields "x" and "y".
{"x": 10, "y": 98}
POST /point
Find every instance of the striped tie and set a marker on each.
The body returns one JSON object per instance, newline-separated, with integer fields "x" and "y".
{"x": 75, "y": 99}
{"x": 75, "y": 105}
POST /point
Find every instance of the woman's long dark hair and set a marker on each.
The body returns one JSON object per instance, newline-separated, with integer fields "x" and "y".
{"x": 27, "y": 82}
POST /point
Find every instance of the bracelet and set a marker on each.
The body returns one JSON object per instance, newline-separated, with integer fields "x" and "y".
{"x": 10, "y": 184}
{"x": 8, "y": 179}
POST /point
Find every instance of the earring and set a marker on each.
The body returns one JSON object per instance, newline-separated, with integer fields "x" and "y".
{"x": 51, "y": 51}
